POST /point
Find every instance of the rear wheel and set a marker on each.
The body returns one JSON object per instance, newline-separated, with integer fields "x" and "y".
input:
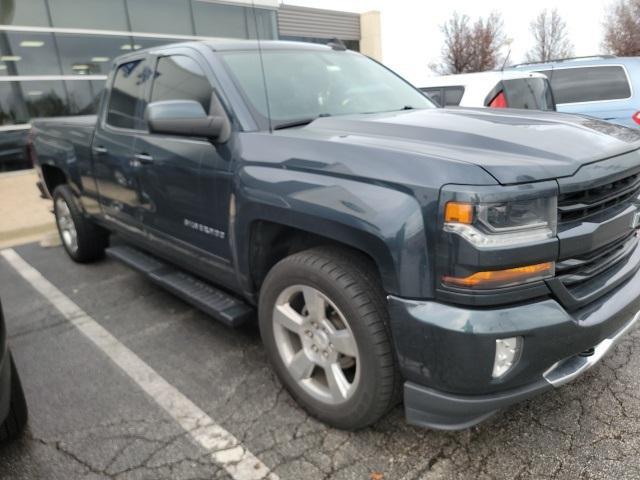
{"x": 83, "y": 240}
{"x": 324, "y": 323}
{"x": 17, "y": 418}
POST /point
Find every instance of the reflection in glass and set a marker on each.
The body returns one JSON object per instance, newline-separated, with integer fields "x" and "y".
{"x": 266, "y": 23}
{"x": 126, "y": 94}
{"x": 24, "y": 12}
{"x": 166, "y": 16}
{"x": 89, "y": 14}
{"x": 84, "y": 96}
{"x": 22, "y": 101}
{"x": 28, "y": 54}
{"x": 232, "y": 21}
{"x": 44, "y": 99}
{"x": 90, "y": 54}
{"x": 181, "y": 78}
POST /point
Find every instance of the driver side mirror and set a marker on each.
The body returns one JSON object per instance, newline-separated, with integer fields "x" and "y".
{"x": 188, "y": 118}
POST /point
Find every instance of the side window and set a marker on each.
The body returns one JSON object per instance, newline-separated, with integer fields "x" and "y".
{"x": 588, "y": 84}
{"x": 127, "y": 93}
{"x": 180, "y": 78}
{"x": 453, "y": 96}
{"x": 433, "y": 94}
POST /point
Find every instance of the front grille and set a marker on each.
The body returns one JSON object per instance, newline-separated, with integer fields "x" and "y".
{"x": 585, "y": 203}
{"x": 575, "y": 271}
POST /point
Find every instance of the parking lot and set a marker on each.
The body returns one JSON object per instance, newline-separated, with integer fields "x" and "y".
{"x": 93, "y": 417}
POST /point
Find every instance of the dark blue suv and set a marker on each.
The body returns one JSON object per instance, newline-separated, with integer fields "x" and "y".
{"x": 606, "y": 87}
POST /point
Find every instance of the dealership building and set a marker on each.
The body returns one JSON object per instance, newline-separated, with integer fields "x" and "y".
{"x": 55, "y": 54}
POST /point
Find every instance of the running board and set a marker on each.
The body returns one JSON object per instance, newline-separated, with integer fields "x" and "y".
{"x": 220, "y": 305}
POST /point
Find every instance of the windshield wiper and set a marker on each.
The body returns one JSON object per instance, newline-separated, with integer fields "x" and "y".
{"x": 299, "y": 123}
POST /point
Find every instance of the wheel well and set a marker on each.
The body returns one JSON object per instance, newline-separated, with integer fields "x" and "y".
{"x": 271, "y": 242}
{"x": 53, "y": 177}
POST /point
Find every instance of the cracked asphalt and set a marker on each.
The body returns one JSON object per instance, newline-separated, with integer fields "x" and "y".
{"x": 88, "y": 419}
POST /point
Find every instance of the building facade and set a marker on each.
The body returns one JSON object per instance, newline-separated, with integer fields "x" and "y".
{"x": 55, "y": 54}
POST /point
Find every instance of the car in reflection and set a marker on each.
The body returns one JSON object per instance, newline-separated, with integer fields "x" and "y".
{"x": 494, "y": 89}
{"x": 13, "y": 406}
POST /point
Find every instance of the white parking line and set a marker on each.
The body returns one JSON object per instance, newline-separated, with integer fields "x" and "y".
{"x": 226, "y": 450}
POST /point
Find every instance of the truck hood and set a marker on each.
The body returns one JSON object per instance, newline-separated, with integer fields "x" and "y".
{"x": 513, "y": 146}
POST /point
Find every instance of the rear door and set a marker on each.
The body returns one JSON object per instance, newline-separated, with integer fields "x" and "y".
{"x": 112, "y": 147}
{"x": 602, "y": 91}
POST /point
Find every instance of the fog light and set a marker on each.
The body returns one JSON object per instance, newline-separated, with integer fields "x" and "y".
{"x": 507, "y": 351}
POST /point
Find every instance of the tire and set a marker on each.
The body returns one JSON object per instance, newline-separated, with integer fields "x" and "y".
{"x": 17, "y": 417}
{"x": 83, "y": 240}
{"x": 344, "y": 287}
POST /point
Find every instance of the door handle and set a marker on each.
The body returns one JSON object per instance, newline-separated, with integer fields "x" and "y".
{"x": 100, "y": 150}
{"x": 143, "y": 158}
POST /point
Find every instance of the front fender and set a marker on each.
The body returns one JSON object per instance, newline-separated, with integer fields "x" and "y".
{"x": 385, "y": 223}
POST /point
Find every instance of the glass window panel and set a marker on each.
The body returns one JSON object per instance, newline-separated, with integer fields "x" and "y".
{"x": 145, "y": 42}
{"x": 24, "y": 12}
{"x": 588, "y": 84}
{"x": 218, "y": 20}
{"x": 453, "y": 96}
{"x": 44, "y": 98}
{"x": 89, "y": 14}
{"x": 181, "y": 78}
{"x": 13, "y": 108}
{"x": 90, "y": 54}
{"x": 84, "y": 96}
{"x": 28, "y": 54}
{"x": 127, "y": 94}
{"x": 13, "y": 151}
{"x": 166, "y": 16}
{"x": 265, "y": 21}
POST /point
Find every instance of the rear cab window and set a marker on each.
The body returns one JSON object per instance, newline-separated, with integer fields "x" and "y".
{"x": 126, "y": 100}
{"x": 529, "y": 93}
{"x": 589, "y": 84}
{"x": 453, "y": 96}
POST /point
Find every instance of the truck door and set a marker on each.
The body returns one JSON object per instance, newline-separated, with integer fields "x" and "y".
{"x": 186, "y": 180}
{"x": 112, "y": 148}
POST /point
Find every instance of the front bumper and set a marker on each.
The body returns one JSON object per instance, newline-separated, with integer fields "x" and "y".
{"x": 446, "y": 353}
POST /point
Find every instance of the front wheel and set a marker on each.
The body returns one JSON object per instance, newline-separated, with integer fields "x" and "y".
{"x": 324, "y": 323}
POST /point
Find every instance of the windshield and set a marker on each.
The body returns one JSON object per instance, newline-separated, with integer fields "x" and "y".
{"x": 306, "y": 84}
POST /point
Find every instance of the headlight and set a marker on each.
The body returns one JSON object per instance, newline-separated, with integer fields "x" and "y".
{"x": 497, "y": 237}
{"x": 502, "y": 224}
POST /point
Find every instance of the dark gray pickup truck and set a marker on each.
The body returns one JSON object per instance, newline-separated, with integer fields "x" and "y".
{"x": 460, "y": 259}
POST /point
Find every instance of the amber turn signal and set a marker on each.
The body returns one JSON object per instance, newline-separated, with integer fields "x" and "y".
{"x": 456, "y": 212}
{"x": 503, "y": 278}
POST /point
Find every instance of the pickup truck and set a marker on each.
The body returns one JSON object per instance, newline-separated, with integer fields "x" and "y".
{"x": 459, "y": 259}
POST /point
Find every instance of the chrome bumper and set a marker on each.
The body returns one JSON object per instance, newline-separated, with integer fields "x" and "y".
{"x": 570, "y": 368}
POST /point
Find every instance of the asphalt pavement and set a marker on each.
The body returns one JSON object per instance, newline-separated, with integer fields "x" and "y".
{"x": 92, "y": 416}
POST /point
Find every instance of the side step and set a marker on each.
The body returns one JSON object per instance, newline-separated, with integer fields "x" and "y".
{"x": 220, "y": 305}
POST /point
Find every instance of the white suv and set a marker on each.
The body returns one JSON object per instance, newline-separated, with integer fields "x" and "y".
{"x": 495, "y": 89}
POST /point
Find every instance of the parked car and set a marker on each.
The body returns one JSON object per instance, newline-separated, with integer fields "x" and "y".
{"x": 465, "y": 258}
{"x": 606, "y": 87}
{"x": 13, "y": 406}
{"x": 491, "y": 89}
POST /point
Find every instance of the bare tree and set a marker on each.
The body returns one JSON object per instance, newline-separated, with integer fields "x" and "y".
{"x": 551, "y": 39}
{"x": 622, "y": 28}
{"x": 471, "y": 47}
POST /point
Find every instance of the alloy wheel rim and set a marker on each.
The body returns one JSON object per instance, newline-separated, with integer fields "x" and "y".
{"x": 68, "y": 231}
{"x": 316, "y": 344}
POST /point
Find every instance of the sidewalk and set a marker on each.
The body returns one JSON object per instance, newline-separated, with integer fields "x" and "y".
{"x": 24, "y": 216}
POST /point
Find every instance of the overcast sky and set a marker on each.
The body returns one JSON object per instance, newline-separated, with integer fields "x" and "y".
{"x": 411, "y": 36}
